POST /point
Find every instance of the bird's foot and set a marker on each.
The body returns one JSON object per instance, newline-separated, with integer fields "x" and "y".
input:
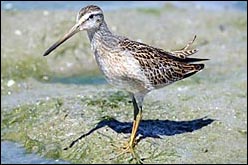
{"x": 128, "y": 148}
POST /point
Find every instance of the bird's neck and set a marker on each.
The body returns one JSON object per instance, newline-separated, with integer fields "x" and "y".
{"x": 97, "y": 33}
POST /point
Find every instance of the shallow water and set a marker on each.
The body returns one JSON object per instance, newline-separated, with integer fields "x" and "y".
{"x": 12, "y": 153}
{"x": 114, "y": 5}
{"x": 74, "y": 5}
{"x": 80, "y": 80}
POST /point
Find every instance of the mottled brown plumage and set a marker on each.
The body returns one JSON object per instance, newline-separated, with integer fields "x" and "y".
{"x": 130, "y": 65}
{"x": 159, "y": 66}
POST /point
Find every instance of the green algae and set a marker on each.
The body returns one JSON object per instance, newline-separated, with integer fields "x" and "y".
{"x": 115, "y": 100}
{"x": 151, "y": 11}
{"x": 37, "y": 125}
{"x": 19, "y": 124}
{"x": 24, "y": 68}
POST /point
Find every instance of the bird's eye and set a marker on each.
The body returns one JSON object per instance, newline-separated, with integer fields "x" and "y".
{"x": 91, "y": 16}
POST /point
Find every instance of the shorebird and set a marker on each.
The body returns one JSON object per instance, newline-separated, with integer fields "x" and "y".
{"x": 130, "y": 65}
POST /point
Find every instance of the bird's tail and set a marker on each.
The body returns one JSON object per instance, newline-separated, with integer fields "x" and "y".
{"x": 193, "y": 68}
{"x": 185, "y": 51}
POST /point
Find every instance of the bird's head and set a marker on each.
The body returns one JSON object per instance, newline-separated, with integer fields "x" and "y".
{"x": 88, "y": 18}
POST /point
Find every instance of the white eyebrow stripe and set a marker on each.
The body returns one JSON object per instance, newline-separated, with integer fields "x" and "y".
{"x": 86, "y": 16}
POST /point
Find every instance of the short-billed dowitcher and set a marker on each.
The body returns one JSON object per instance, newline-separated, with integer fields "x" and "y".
{"x": 133, "y": 66}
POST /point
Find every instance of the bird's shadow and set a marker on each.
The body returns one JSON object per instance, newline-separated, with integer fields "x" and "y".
{"x": 149, "y": 128}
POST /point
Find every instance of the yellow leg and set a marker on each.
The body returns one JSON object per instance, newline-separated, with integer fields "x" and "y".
{"x": 135, "y": 129}
{"x": 129, "y": 146}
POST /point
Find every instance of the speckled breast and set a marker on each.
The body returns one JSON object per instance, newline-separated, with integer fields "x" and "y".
{"x": 122, "y": 70}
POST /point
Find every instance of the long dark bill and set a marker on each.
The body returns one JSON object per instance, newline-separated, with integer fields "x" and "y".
{"x": 68, "y": 35}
